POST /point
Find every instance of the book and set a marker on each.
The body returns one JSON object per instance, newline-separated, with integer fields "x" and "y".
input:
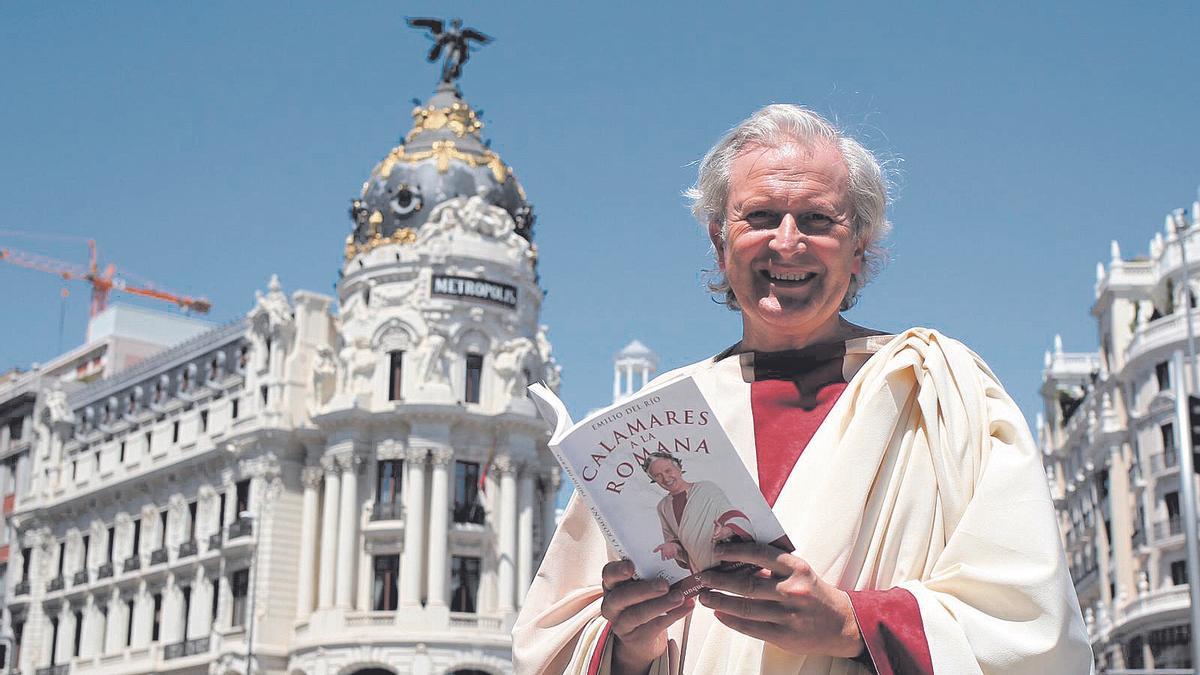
{"x": 663, "y": 480}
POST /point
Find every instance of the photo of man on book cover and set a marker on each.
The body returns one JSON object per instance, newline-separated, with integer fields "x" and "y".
{"x": 694, "y": 516}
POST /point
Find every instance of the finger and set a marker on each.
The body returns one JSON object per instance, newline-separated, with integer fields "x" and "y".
{"x": 767, "y": 611}
{"x": 615, "y": 572}
{"x": 635, "y": 616}
{"x": 659, "y": 624}
{"x": 763, "y": 555}
{"x": 767, "y": 632}
{"x": 741, "y": 582}
{"x": 630, "y": 593}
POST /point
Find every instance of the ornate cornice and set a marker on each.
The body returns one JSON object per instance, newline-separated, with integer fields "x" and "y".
{"x": 311, "y": 476}
{"x": 441, "y": 456}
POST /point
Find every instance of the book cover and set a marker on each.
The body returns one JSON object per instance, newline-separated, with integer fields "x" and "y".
{"x": 662, "y": 479}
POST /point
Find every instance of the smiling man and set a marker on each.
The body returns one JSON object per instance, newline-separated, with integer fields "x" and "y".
{"x": 925, "y": 537}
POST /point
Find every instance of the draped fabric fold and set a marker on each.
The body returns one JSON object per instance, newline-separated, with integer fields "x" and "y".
{"x": 922, "y": 476}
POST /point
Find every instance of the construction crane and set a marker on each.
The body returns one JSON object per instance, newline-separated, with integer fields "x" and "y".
{"x": 102, "y": 282}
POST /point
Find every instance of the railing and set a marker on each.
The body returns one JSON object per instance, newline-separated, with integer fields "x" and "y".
{"x": 387, "y": 511}
{"x": 1171, "y": 598}
{"x": 132, "y": 563}
{"x": 80, "y": 578}
{"x": 22, "y": 588}
{"x": 470, "y": 620}
{"x": 187, "y": 548}
{"x": 104, "y": 571}
{"x": 242, "y": 527}
{"x": 469, "y": 513}
{"x": 1168, "y": 528}
{"x": 174, "y": 651}
{"x": 197, "y": 646}
{"x": 214, "y": 541}
{"x": 361, "y": 619}
{"x": 56, "y": 584}
{"x": 1164, "y": 461}
{"x": 158, "y": 557}
{"x": 61, "y": 669}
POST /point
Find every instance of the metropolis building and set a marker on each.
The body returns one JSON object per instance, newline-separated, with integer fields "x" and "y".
{"x": 1109, "y": 436}
{"x": 324, "y": 487}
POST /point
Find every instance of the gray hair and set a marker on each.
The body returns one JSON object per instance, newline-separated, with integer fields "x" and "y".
{"x": 770, "y": 127}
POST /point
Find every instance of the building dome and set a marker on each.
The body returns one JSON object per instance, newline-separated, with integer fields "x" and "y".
{"x": 442, "y": 157}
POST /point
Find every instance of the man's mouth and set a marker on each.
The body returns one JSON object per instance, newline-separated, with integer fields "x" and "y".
{"x": 788, "y": 277}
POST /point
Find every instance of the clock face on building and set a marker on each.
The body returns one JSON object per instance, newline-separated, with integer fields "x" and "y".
{"x": 404, "y": 201}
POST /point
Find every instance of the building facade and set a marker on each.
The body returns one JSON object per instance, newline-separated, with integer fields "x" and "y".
{"x": 1109, "y": 436}
{"x": 325, "y": 486}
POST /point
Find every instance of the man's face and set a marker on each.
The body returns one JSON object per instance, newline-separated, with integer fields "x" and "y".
{"x": 667, "y": 475}
{"x": 789, "y": 251}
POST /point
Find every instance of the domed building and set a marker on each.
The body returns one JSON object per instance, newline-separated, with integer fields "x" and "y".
{"x": 318, "y": 488}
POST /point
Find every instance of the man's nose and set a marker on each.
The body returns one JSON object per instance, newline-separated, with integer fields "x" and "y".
{"x": 788, "y": 240}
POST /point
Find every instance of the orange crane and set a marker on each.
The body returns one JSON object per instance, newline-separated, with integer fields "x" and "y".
{"x": 102, "y": 283}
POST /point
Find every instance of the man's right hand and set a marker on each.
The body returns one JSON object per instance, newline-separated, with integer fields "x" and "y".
{"x": 639, "y": 612}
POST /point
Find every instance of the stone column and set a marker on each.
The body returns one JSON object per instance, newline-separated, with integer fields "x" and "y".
{"x": 87, "y": 642}
{"x": 171, "y": 629}
{"x": 525, "y": 531}
{"x": 414, "y": 526}
{"x": 66, "y": 635}
{"x": 311, "y": 477}
{"x": 200, "y": 613}
{"x": 508, "y": 533}
{"x": 439, "y": 512}
{"x": 551, "y": 480}
{"x": 348, "y": 531}
{"x": 616, "y": 383}
{"x": 49, "y": 644}
{"x": 329, "y": 522}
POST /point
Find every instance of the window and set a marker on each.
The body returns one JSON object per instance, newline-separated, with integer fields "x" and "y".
{"x": 157, "y": 625}
{"x": 83, "y": 559}
{"x": 243, "y": 496}
{"x": 78, "y": 641}
{"x": 474, "y": 378}
{"x": 395, "y": 374}
{"x": 62, "y": 556}
{"x": 464, "y": 583}
{"x": 26, "y": 557}
{"x": 233, "y": 409}
{"x": 239, "y": 583}
{"x": 1162, "y": 373}
{"x": 53, "y": 641}
{"x": 216, "y": 597}
{"x": 149, "y": 441}
{"x": 264, "y": 393}
{"x": 1179, "y": 572}
{"x": 18, "y": 628}
{"x": 221, "y": 512}
{"x": 129, "y": 622}
{"x": 137, "y": 536}
{"x": 175, "y": 431}
{"x": 108, "y": 555}
{"x": 103, "y": 627}
{"x": 191, "y": 521}
{"x": 121, "y": 455}
{"x": 387, "y": 488}
{"x": 387, "y": 568}
{"x": 187, "y": 608}
{"x": 162, "y": 528}
{"x": 467, "y": 507}
{"x": 203, "y": 421}
{"x": 1172, "y": 502}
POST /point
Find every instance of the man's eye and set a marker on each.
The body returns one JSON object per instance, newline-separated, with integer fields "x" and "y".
{"x": 762, "y": 218}
{"x": 818, "y": 220}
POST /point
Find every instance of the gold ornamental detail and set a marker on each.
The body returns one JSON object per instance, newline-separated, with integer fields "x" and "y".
{"x": 443, "y": 152}
{"x": 402, "y": 236}
{"x": 459, "y": 118}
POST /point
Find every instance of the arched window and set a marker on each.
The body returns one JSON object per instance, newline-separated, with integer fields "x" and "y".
{"x": 395, "y": 375}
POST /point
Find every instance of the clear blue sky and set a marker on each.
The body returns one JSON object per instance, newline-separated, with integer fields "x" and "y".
{"x": 208, "y": 145}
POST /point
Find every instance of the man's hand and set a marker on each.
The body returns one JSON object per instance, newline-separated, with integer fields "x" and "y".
{"x": 640, "y": 612}
{"x": 668, "y": 550}
{"x": 785, "y": 603}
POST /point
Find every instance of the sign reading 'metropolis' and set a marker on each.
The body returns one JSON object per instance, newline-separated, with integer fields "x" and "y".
{"x": 477, "y": 289}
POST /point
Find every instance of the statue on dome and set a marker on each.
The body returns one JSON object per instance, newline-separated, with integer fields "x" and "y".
{"x": 456, "y": 42}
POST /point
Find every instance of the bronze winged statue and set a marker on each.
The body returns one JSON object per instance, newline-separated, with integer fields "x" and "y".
{"x": 456, "y": 41}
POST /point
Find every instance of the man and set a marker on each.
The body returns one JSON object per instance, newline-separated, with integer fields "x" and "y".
{"x": 694, "y": 516}
{"x": 925, "y": 537}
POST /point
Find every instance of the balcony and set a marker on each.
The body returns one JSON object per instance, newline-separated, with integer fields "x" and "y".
{"x": 469, "y": 620}
{"x": 104, "y": 571}
{"x": 132, "y": 563}
{"x": 61, "y": 669}
{"x": 80, "y": 578}
{"x": 387, "y": 511}
{"x": 56, "y": 584}
{"x": 214, "y": 541}
{"x": 158, "y": 557}
{"x": 242, "y": 527}
{"x": 22, "y": 588}
{"x": 197, "y": 646}
{"x": 1164, "y": 462}
{"x": 188, "y": 548}
{"x": 174, "y": 651}
{"x": 1168, "y": 528}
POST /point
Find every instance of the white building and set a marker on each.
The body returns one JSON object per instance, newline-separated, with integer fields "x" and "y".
{"x": 1108, "y": 433}
{"x": 320, "y": 487}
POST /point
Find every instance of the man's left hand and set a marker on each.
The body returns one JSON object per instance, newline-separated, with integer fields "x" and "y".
{"x": 785, "y": 603}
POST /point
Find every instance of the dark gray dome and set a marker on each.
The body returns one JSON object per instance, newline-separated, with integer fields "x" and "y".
{"x": 441, "y": 158}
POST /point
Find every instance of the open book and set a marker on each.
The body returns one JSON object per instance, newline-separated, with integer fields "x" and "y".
{"x": 662, "y": 479}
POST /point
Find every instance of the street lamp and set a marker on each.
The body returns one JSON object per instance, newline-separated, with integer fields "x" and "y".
{"x": 1187, "y": 476}
{"x": 254, "y": 527}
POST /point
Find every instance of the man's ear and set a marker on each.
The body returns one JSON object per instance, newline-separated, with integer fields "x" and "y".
{"x": 718, "y": 242}
{"x": 859, "y": 252}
